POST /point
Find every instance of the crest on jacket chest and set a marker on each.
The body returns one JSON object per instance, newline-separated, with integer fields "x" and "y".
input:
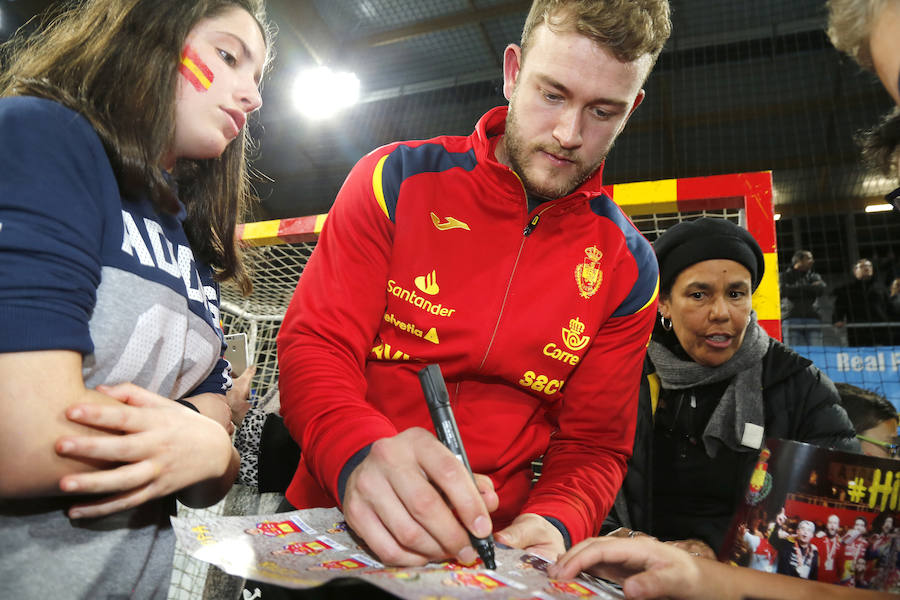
{"x": 588, "y": 275}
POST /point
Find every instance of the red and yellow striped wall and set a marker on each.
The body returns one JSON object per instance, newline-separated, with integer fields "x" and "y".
{"x": 751, "y": 192}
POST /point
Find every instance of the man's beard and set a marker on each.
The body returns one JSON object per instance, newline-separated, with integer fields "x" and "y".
{"x": 518, "y": 153}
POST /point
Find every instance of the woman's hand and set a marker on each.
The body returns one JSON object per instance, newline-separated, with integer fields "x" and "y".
{"x": 696, "y": 548}
{"x": 162, "y": 448}
{"x": 647, "y": 568}
{"x": 624, "y": 532}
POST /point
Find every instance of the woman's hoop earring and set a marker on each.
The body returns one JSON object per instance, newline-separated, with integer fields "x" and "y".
{"x": 666, "y": 323}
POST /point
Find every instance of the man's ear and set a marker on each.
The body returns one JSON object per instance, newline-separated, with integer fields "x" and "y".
{"x": 637, "y": 102}
{"x": 512, "y": 63}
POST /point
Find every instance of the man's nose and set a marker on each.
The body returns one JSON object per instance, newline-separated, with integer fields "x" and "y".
{"x": 568, "y": 128}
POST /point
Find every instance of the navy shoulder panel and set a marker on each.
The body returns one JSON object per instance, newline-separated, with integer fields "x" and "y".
{"x": 407, "y": 161}
{"x": 646, "y": 287}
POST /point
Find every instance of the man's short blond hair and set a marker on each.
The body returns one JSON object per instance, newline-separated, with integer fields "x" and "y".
{"x": 629, "y": 28}
{"x": 850, "y": 25}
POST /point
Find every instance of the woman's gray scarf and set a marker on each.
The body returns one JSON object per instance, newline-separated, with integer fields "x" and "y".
{"x": 737, "y": 422}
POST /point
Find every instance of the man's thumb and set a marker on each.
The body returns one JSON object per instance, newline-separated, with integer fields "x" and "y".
{"x": 511, "y": 536}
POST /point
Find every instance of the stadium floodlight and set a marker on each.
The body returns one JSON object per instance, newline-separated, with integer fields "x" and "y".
{"x": 320, "y": 93}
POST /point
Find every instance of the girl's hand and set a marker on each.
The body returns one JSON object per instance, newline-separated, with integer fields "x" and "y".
{"x": 162, "y": 447}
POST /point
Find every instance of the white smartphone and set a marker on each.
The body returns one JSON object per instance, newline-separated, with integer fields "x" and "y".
{"x": 237, "y": 353}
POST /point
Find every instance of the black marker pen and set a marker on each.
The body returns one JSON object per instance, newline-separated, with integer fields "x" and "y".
{"x": 445, "y": 425}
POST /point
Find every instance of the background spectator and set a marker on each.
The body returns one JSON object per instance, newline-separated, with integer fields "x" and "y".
{"x": 863, "y": 300}
{"x": 894, "y": 300}
{"x": 800, "y": 288}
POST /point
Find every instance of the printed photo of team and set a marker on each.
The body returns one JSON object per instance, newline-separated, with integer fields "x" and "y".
{"x": 822, "y": 516}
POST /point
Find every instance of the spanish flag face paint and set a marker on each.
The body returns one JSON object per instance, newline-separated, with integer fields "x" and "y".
{"x": 195, "y": 70}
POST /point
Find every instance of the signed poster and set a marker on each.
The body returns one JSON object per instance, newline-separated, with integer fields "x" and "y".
{"x": 305, "y": 548}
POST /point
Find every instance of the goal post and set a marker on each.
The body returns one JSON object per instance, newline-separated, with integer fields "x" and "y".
{"x": 745, "y": 198}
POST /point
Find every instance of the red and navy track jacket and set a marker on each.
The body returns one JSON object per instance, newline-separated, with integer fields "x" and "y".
{"x": 539, "y": 322}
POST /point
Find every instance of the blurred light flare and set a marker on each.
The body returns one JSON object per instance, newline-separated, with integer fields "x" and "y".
{"x": 320, "y": 93}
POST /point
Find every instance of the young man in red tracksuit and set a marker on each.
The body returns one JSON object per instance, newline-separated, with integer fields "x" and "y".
{"x": 499, "y": 257}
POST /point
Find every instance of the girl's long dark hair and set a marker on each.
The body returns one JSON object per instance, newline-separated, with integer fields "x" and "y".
{"x": 116, "y": 63}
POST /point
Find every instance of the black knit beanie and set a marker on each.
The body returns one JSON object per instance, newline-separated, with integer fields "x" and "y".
{"x": 690, "y": 242}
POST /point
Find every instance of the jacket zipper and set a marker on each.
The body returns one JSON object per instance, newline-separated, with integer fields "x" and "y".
{"x": 532, "y": 224}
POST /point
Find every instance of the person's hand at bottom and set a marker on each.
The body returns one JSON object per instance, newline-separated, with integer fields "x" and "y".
{"x": 413, "y": 501}
{"x": 694, "y": 547}
{"x": 646, "y": 568}
{"x": 533, "y": 533}
{"x": 625, "y": 532}
{"x": 651, "y": 569}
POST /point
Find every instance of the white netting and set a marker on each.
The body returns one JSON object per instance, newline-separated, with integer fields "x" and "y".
{"x": 276, "y": 270}
{"x": 653, "y": 225}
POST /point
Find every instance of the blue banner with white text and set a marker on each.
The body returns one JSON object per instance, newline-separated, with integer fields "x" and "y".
{"x": 875, "y": 368}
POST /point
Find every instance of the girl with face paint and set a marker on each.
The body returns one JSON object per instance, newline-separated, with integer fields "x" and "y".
{"x": 123, "y": 178}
